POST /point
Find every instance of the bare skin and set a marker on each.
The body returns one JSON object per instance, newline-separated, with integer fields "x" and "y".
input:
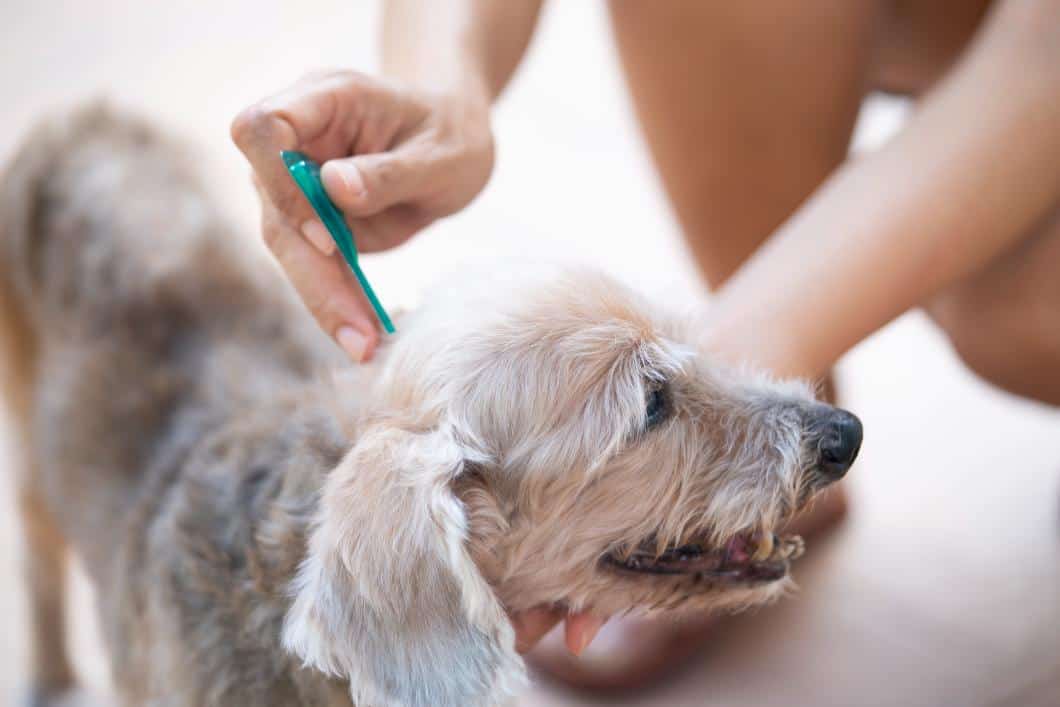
{"x": 750, "y": 138}
{"x": 932, "y": 210}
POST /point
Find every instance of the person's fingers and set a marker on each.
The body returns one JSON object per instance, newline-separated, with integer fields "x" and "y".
{"x": 326, "y": 287}
{"x": 342, "y": 112}
{"x": 365, "y": 185}
{"x": 261, "y": 135}
{"x": 312, "y": 107}
{"x": 581, "y": 629}
{"x": 326, "y": 115}
{"x": 297, "y": 117}
{"x": 390, "y": 228}
{"x": 532, "y": 625}
{"x": 317, "y": 234}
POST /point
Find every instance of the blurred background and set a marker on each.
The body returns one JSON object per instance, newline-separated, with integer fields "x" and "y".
{"x": 941, "y": 587}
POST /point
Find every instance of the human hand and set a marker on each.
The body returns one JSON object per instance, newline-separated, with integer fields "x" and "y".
{"x": 532, "y": 625}
{"x": 394, "y": 160}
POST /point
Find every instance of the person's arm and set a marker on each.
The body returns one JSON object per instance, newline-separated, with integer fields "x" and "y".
{"x": 482, "y": 43}
{"x": 397, "y": 153}
{"x": 972, "y": 172}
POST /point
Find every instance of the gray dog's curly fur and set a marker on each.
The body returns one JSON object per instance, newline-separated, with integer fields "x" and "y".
{"x": 267, "y": 526}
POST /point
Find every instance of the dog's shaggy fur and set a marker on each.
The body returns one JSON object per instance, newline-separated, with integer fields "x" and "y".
{"x": 266, "y": 526}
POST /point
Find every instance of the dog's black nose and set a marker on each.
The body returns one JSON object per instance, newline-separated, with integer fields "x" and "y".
{"x": 840, "y": 443}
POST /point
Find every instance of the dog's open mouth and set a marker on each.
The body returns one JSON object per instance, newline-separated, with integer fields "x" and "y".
{"x": 746, "y": 558}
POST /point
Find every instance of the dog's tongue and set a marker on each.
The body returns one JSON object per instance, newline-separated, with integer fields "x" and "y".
{"x": 738, "y": 550}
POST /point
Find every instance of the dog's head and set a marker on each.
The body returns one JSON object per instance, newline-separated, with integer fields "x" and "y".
{"x": 548, "y": 442}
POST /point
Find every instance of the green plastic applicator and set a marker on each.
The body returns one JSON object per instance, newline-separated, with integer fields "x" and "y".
{"x": 306, "y": 174}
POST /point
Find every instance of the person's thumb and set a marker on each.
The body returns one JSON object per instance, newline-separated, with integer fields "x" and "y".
{"x": 366, "y": 185}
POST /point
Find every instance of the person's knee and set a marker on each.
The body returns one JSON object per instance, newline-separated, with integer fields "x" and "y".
{"x": 1008, "y": 339}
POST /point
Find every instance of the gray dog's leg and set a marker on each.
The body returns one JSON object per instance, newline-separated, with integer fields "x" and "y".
{"x": 44, "y": 565}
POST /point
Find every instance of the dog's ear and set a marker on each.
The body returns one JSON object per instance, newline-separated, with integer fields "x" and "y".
{"x": 388, "y": 596}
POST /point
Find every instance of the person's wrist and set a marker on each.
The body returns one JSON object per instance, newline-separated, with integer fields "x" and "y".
{"x": 473, "y": 114}
{"x": 774, "y": 344}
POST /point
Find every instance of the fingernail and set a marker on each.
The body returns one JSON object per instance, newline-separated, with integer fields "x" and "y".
{"x": 589, "y": 636}
{"x": 315, "y": 232}
{"x": 579, "y": 647}
{"x": 351, "y": 342}
{"x": 351, "y": 178}
{"x": 581, "y": 630}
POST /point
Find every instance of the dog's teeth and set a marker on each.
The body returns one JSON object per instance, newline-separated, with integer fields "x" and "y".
{"x": 765, "y": 548}
{"x": 793, "y": 547}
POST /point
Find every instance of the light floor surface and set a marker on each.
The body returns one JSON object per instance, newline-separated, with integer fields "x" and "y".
{"x": 941, "y": 589}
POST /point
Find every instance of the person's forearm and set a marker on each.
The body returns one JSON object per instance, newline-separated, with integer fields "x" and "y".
{"x": 971, "y": 174}
{"x": 470, "y": 47}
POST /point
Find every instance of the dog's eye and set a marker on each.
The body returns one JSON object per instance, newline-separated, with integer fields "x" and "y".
{"x": 658, "y": 407}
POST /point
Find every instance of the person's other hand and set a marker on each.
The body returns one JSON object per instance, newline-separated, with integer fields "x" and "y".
{"x": 532, "y": 625}
{"x": 394, "y": 160}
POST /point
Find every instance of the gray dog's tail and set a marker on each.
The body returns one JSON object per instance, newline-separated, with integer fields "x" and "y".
{"x": 33, "y": 206}
{"x": 95, "y": 209}
{"x": 99, "y": 214}
{"x": 28, "y": 188}
{"x": 82, "y": 205}
{"x": 22, "y": 203}
{"x": 21, "y": 196}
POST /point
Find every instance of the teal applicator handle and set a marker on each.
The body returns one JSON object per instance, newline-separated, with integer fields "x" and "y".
{"x": 306, "y": 174}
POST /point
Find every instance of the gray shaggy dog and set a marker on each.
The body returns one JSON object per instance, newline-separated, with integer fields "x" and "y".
{"x": 265, "y": 525}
